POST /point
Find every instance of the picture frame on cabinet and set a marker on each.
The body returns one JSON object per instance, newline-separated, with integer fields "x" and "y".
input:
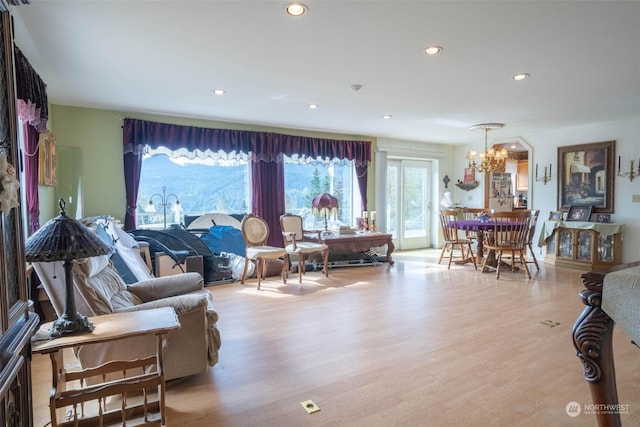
{"x": 556, "y": 215}
{"x": 603, "y": 218}
{"x": 579, "y": 213}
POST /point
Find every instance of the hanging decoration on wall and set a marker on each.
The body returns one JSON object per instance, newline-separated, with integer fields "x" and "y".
{"x": 9, "y": 185}
{"x": 469, "y": 182}
{"x": 446, "y": 181}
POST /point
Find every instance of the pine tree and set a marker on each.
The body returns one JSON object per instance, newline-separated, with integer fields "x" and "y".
{"x": 315, "y": 188}
{"x": 339, "y": 194}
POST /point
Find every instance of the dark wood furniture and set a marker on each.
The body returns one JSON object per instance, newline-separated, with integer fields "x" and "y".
{"x": 592, "y": 339}
{"x": 18, "y": 321}
{"x": 110, "y": 327}
{"x": 360, "y": 242}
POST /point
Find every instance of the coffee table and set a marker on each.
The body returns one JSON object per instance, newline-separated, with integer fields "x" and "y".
{"x": 360, "y": 242}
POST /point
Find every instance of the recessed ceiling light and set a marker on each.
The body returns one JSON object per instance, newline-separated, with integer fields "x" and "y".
{"x": 296, "y": 9}
{"x": 387, "y": 116}
{"x": 520, "y": 76}
{"x": 313, "y": 106}
{"x": 433, "y": 50}
{"x": 218, "y": 91}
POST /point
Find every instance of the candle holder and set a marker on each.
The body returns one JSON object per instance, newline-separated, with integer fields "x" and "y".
{"x": 362, "y": 224}
{"x": 544, "y": 178}
{"x": 632, "y": 173}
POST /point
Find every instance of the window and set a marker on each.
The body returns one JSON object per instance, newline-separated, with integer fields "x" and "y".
{"x": 201, "y": 185}
{"x": 207, "y": 185}
{"x": 304, "y": 181}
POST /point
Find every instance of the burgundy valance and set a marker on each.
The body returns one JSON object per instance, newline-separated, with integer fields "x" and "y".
{"x": 263, "y": 146}
{"x": 31, "y": 91}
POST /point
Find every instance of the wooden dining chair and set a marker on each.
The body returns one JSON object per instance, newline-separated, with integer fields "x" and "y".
{"x": 507, "y": 240}
{"x": 452, "y": 239}
{"x": 532, "y": 230}
{"x": 470, "y": 214}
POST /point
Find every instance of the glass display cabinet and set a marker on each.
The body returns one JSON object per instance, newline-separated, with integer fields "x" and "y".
{"x": 583, "y": 245}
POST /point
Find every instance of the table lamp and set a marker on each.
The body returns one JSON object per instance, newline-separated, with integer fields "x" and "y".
{"x": 325, "y": 204}
{"x": 65, "y": 239}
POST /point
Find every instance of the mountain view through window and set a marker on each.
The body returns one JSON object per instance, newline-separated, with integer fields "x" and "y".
{"x": 205, "y": 188}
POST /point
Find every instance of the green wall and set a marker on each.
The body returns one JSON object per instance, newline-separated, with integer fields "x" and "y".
{"x": 98, "y": 134}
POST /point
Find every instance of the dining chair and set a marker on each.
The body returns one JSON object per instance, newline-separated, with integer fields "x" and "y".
{"x": 507, "y": 240}
{"x": 532, "y": 230}
{"x": 452, "y": 239}
{"x": 470, "y": 214}
{"x": 255, "y": 232}
{"x": 535, "y": 213}
{"x": 300, "y": 243}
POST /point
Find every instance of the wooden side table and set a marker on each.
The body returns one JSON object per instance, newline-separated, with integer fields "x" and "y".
{"x": 110, "y": 327}
{"x": 360, "y": 242}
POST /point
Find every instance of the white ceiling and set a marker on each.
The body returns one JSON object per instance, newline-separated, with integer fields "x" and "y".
{"x": 165, "y": 57}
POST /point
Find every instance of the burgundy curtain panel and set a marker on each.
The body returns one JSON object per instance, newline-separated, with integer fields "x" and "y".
{"x": 268, "y": 202}
{"x": 263, "y": 147}
{"x": 362, "y": 175}
{"x": 30, "y": 135}
{"x": 132, "y": 168}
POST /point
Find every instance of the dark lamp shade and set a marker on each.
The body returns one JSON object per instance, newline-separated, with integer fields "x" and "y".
{"x": 63, "y": 238}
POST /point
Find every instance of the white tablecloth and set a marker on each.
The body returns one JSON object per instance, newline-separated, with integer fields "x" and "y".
{"x": 621, "y": 300}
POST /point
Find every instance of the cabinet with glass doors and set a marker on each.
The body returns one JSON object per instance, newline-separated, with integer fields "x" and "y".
{"x": 582, "y": 248}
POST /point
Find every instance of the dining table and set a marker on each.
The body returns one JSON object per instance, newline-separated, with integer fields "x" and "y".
{"x": 479, "y": 227}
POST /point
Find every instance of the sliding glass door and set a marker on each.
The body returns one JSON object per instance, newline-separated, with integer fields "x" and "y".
{"x": 408, "y": 202}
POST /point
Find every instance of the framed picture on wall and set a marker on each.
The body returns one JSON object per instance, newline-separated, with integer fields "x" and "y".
{"x": 585, "y": 176}
{"x": 47, "y": 159}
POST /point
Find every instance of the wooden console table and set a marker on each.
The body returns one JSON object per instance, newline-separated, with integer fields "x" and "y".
{"x": 110, "y": 327}
{"x": 360, "y": 242}
{"x": 592, "y": 339}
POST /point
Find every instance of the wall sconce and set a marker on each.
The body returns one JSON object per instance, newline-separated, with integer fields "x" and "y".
{"x": 164, "y": 203}
{"x": 631, "y": 174}
{"x": 544, "y": 178}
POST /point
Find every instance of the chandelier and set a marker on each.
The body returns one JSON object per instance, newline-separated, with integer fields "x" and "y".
{"x": 491, "y": 160}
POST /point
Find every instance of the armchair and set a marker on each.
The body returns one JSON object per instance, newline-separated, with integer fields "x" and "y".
{"x": 100, "y": 290}
{"x": 300, "y": 242}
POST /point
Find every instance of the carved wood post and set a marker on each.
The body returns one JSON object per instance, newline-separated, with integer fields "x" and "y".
{"x": 592, "y": 338}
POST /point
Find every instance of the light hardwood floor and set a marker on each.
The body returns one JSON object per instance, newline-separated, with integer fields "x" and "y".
{"x": 406, "y": 345}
